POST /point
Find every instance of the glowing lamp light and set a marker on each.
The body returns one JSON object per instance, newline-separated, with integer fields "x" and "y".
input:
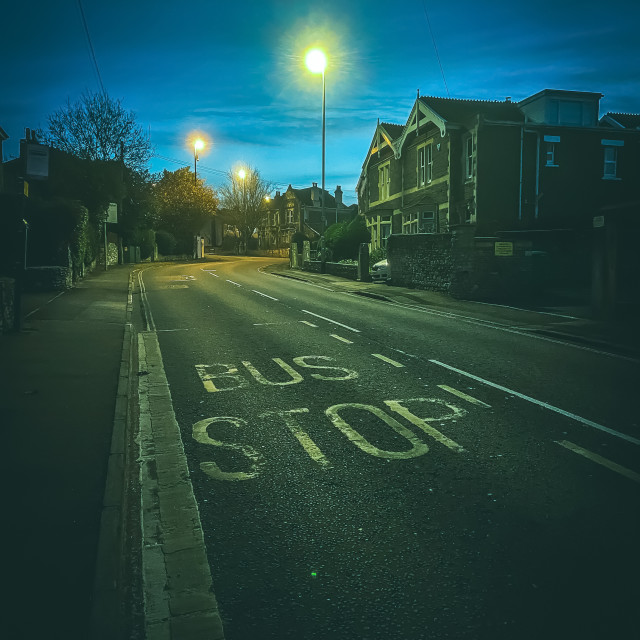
{"x": 242, "y": 174}
{"x": 316, "y": 61}
{"x": 198, "y": 145}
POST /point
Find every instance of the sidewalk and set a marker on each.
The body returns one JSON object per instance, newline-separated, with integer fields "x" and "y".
{"x": 58, "y": 386}
{"x": 572, "y": 324}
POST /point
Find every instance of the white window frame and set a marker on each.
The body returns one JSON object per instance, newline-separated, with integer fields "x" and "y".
{"x": 425, "y": 164}
{"x": 610, "y": 164}
{"x": 427, "y": 217}
{"x": 410, "y": 223}
{"x": 469, "y": 157}
{"x": 384, "y": 179}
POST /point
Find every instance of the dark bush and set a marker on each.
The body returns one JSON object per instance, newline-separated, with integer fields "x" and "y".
{"x": 166, "y": 243}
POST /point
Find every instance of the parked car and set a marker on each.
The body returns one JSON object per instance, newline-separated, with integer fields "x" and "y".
{"x": 380, "y": 271}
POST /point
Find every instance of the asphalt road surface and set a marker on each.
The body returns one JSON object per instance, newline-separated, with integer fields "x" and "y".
{"x": 367, "y": 470}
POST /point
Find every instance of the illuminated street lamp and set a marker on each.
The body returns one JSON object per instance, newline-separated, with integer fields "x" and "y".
{"x": 198, "y": 145}
{"x": 316, "y": 62}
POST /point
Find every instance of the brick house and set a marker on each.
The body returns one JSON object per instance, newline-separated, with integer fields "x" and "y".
{"x": 546, "y": 162}
{"x": 300, "y": 210}
{"x": 546, "y": 172}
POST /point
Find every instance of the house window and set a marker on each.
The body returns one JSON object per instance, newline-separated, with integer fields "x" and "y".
{"x": 468, "y": 158}
{"x": 425, "y": 164}
{"x": 409, "y": 223}
{"x": 383, "y": 181}
{"x": 610, "y": 162}
{"x": 289, "y": 216}
{"x": 427, "y": 222}
{"x": 551, "y": 154}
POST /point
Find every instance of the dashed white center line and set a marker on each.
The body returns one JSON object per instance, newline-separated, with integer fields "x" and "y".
{"x": 344, "y": 326}
{"x": 464, "y": 396}
{"x": 310, "y": 324}
{"x": 264, "y": 295}
{"x": 236, "y": 283}
{"x": 337, "y": 337}
{"x": 605, "y": 462}
{"x": 389, "y": 360}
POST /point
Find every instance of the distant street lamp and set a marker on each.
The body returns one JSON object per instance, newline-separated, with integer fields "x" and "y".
{"x": 242, "y": 174}
{"x": 316, "y": 62}
{"x": 198, "y": 145}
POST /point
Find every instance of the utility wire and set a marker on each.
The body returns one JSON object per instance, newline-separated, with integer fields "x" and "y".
{"x": 93, "y": 53}
{"x": 426, "y": 14}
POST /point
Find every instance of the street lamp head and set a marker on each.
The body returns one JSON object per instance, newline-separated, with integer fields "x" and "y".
{"x": 198, "y": 144}
{"x": 242, "y": 174}
{"x": 316, "y": 61}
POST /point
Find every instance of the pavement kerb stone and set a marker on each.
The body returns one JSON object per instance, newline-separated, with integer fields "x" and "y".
{"x": 177, "y": 585}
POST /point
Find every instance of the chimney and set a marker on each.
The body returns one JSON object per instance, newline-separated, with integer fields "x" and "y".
{"x": 315, "y": 195}
{"x": 508, "y": 99}
{"x": 338, "y": 195}
{"x": 277, "y": 194}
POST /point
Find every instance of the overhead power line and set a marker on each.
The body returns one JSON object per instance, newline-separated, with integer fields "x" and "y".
{"x": 435, "y": 46}
{"x": 93, "y": 53}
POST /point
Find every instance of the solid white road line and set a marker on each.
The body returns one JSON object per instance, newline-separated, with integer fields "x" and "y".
{"x": 567, "y": 414}
{"x": 594, "y": 457}
{"x": 344, "y": 326}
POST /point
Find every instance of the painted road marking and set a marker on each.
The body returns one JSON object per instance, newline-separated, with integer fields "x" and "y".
{"x": 421, "y": 423}
{"x": 236, "y": 283}
{"x": 385, "y": 359}
{"x": 464, "y": 396}
{"x": 264, "y": 295}
{"x": 310, "y": 324}
{"x": 418, "y": 448}
{"x": 337, "y": 337}
{"x": 594, "y": 457}
{"x": 567, "y": 414}
{"x": 301, "y": 435}
{"x": 208, "y": 270}
{"x": 344, "y": 326}
{"x": 215, "y": 275}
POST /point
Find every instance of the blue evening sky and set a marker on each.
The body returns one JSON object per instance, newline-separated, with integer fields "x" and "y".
{"x": 234, "y": 70}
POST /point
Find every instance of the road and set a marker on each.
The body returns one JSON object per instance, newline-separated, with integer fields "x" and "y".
{"x": 368, "y": 470}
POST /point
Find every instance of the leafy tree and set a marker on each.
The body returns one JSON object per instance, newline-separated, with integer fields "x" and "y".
{"x": 182, "y": 207}
{"x": 97, "y": 127}
{"x": 344, "y": 238}
{"x": 244, "y": 201}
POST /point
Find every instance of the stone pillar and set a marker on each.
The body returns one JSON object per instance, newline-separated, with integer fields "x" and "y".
{"x": 363, "y": 263}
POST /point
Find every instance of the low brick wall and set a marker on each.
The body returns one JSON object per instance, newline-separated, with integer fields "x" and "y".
{"x": 464, "y": 266}
{"x": 314, "y": 266}
{"x": 7, "y": 294}
{"x": 349, "y": 271}
{"x": 48, "y": 279}
{"x": 421, "y": 261}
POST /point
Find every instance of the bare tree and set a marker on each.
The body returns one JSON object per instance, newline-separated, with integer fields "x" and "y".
{"x": 97, "y": 127}
{"x": 244, "y": 199}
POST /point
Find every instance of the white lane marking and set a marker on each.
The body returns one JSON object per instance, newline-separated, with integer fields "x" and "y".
{"x": 464, "y": 396}
{"x": 215, "y": 275}
{"x": 337, "y": 337}
{"x": 310, "y": 324}
{"x": 232, "y": 282}
{"x": 567, "y": 414}
{"x": 594, "y": 457}
{"x": 47, "y": 302}
{"x": 207, "y": 270}
{"x": 506, "y": 306}
{"x": 264, "y": 295}
{"x": 385, "y": 359}
{"x": 344, "y": 326}
{"x": 500, "y": 327}
{"x": 146, "y": 309}
{"x": 159, "y": 330}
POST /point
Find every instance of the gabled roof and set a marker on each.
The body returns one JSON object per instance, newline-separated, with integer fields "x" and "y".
{"x": 304, "y": 195}
{"x": 394, "y": 130}
{"x": 622, "y": 120}
{"x": 455, "y": 110}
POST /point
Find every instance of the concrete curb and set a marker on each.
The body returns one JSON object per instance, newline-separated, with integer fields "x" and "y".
{"x": 178, "y": 595}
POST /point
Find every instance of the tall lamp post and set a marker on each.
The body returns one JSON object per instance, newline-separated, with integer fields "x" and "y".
{"x": 198, "y": 145}
{"x": 242, "y": 174}
{"x": 316, "y": 62}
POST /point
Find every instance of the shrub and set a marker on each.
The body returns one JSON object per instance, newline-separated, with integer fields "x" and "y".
{"x": 166, "y": 243}
{"x": 376, "y": 255}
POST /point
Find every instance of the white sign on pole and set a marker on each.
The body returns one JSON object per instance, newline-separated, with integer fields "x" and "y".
{"x": 112, "y": 213}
